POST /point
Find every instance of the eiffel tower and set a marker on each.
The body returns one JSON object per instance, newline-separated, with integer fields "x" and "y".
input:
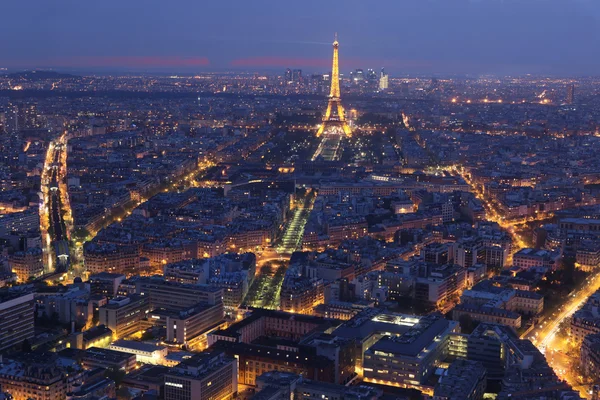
{"x": 335, "y": 118}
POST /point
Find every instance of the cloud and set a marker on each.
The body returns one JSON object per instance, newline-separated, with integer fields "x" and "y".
{"x": 283, "y": 62}
{"x": 119, "y": 61}
{"x": 324, "y": 63}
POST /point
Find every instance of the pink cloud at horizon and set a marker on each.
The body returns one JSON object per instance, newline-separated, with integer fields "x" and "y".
{"x": 120, "y": 61}
{"x": 284, "y": 62}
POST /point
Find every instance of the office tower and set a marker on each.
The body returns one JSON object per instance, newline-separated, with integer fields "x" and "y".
{"x": 371, "y": 75}
{"x": 123, "y": 315}
{"x": 409, "y": 357}
{"x": 288, "y": 75}
{"x": 297, "y": 75}
{"x": 16, "y": 319}
{"x": 570, "y": 94}
{"x": 12, "y": 120}
{"x": 404, "y": 88}
{"x": 205, "y": 376}
{"x": 358, "y": 75}
{"x": 383, "y": 80}
{"x": 2, "y": 121}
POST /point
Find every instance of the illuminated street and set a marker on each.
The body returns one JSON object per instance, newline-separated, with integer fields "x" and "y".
{"x": 546, "y": 338}
{"x": 330, "y": 148}
{"x": 294, "y": 229}
{"x": 55, "y": 214}
{"x": 272, "y": 263}
{"x": 233, "y": 201}
{"x": 266, "y": 288}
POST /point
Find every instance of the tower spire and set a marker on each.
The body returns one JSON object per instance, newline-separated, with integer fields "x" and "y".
{"x": 335, "y": 115}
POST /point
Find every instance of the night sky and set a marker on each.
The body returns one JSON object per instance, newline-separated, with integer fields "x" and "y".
{"x": 559, "y": 37}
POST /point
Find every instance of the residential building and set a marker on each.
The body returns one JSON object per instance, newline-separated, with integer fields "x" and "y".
{"x": 463, "y": 380}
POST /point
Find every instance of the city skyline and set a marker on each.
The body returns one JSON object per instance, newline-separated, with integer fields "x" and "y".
{"x": 456, "y": 37}
{"x": 227, "y": 200}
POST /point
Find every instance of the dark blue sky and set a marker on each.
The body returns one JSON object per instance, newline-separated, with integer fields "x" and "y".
{"x": 405, "y": 36}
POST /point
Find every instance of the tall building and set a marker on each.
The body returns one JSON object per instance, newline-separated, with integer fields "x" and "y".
{"x": 205, "y": 376}
{"x": 16, "y": 319}
{"x": 383, "y": 80}
{"x": 371, "y": 75}
{"x": 176, "y": 296}
{"x": 464, "y": 379}
{"x": 570, "y": 94}
{"x": 123, "y": 315}
{"x": 12, "y": 119}
{"x": 404, "y": 89}
{"x": 297, "y": 75}
{"x": 358, "y": 76}
{"x": 410, "y": 358}
{"x": 190, "y": 326}
{"x": 2, "y": 121}
{"x": 335, "y": 115}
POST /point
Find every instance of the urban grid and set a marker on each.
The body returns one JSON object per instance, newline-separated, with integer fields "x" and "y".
{"x": 328, "y": 234}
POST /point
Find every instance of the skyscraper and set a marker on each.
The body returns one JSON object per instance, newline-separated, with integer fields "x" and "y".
{"x": 335, "y": 116}
{"x": 297, "y": 75}
{"x": 12, "y": 119}
{"x": 371, "y": 75}
{"x": 570, "y": 94}
{"x": 383, "y": 80}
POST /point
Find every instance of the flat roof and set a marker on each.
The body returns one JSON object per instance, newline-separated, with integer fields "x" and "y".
{"x": 139, "y": 346}
{"x": 413, "y": 341}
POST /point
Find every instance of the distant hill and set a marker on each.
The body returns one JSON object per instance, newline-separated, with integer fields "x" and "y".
{"x": 39, "y": 75}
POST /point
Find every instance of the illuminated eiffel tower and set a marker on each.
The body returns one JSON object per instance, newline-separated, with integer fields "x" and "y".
{"x": 335, "y": 119}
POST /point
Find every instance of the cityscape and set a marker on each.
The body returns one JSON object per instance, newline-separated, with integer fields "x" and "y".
{"x": 307, "y": 231}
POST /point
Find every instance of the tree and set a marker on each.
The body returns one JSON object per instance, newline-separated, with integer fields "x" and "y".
{"x": 147, "y": 335}
{"x": 26, "y": 346}
{"x": 466, "y": 323}
{"x": 55, "y": 318}
{"x": 123, "y": 393}
{"x": 116, "y": 374}
{"x": 569, "y": 270}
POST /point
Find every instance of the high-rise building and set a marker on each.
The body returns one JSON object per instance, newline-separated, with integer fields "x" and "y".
{"x": 404, "y": 88}
{"x": 335, "y": 116}
{"x": 297, "y": 75}
{"x": 383, "y": 80}
{"x": 190, "y": 326}
{"x": 288, "y": 75}
{"x": 371, "y": 75}
{"x": 176, "y": 296}
{"x": 410, "y": 358}
{"x": 358, "y": 75}
{"x": 2, "y": 121}
{"x": 16, "y": 319}
{"x": 123, "y": 315}
{"x": 12, "y": 119}
{"x": 205, "y": 376}
{"x": 570, "y": 94}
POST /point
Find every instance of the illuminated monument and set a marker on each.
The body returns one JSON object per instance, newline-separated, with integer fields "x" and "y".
{"x": 334, "y": 120}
